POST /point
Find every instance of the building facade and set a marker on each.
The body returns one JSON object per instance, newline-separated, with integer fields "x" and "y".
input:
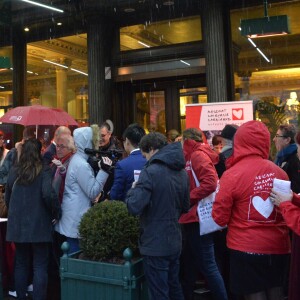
{"x": 143, "y": 60}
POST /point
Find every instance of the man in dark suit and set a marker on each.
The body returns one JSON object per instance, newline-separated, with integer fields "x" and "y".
{"x": 130, "y": 166}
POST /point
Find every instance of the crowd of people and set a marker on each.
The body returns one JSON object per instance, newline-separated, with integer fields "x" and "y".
{"x": 161, "y": 178}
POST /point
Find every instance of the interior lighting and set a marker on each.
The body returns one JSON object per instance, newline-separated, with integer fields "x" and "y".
{"x": 266, "y": 26}
{"x": 262, "y": 54}
{"x": 43, "y": 5}
{"x": 259, "y": 51}
{"x": 26, "y": 29}
{"x": 184, "y": 62}
{"x": 143, "y": 44}
{"x": 54, "y": 63}
{"x": 168, "y": 3}
{"x": 78, "y": 71}
{"x": 1, "y": 87}
{"x": 129, "y": 10}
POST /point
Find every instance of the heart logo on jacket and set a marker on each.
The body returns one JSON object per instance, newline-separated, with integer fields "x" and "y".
{"x": 264, "y": 207}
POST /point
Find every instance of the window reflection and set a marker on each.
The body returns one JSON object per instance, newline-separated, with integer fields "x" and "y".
{"x": 150, "y": 111}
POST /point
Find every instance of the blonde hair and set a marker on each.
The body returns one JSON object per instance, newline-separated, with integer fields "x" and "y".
{"x": 193, "y": 134}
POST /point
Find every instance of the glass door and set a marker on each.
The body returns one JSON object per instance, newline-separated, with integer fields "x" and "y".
{"x": 150, "y": 111}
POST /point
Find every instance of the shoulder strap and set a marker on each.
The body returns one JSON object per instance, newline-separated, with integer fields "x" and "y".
{"x": 194, "y": 175}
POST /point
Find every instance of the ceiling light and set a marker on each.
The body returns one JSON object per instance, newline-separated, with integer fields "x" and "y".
{"x": 168, "y": 3}
{"x": 266, "y": 26}
{"x": 43, "y": 5}
{"x": 147, "y": 46}
{"x": 75, "y": 70}
{"x": 54, "y": 63}
{"x": 129, "y": 10}
{"x": 26, "y": 29}
{"x": 59, "y": 24}
{"x": 262, "y": 54}
{"x": 184, "y": 62}
{"x": 2, "y": 87}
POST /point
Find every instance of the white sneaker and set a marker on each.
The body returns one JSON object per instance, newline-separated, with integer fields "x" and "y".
{"x": 30, "y": 288}
{"x": 12, "y": 294}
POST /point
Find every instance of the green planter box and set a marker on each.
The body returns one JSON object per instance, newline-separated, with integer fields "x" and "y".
{"x": 84, "y": 279}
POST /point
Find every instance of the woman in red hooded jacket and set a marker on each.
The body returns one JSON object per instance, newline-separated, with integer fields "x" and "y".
{"x": 258, "y": 237}
{"x": 198, "y": 252}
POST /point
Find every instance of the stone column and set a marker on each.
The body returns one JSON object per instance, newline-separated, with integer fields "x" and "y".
{"x": 19, "y": 78}
{"x": 62, "y": 85}
{"x": 100, "y": 35}
{"x": 19, "y": 67}
{"x": 214, "y": 46}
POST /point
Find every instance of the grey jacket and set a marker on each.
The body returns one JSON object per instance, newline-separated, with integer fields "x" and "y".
{"x": 81, "y": 185}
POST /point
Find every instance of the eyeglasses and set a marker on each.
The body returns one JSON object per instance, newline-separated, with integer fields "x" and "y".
{"x": 278, "y": 136}
{"x": 61, "y": 146}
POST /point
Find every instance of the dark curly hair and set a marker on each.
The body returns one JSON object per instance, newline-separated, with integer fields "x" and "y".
{"x": 153, "y": 141}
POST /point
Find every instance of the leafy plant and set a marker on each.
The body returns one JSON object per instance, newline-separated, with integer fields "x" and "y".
{"x": 106, "y": 229}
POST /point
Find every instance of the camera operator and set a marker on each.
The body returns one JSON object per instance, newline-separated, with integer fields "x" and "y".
{"x": 81, "y": 187}
{"x": 108, "y": 145}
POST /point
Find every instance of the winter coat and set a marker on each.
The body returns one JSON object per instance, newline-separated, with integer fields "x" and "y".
{"x": 124, "y": 174}
{"x": 292, "y": 168}
{"x": 291, "y": 213}
{"x": 81, "y": 185}
{"x": 242, "y": 201}
{"x": 202, "y": 159}
{"x": 31, "y": 208}
{"x": 160, "y": 196}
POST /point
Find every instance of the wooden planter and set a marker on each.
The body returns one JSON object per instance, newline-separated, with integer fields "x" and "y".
{"x": 84, "y": 279}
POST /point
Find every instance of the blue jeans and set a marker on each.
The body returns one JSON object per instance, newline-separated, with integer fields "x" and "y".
{"x": 38, "y": 254}
{"x": 162, "y": 274}
{"x": 74, "y": 245}
{"x": 198, "y": 256}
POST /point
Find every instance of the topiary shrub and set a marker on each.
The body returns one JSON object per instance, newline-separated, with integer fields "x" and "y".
{"x": 106, "y": 229}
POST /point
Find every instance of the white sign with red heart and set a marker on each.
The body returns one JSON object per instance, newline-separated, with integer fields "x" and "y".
{"x": 238, "y": 113}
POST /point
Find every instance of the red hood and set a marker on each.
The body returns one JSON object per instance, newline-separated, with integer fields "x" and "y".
{"x": 191, "y": 146}
{"x": 252, "y": 138}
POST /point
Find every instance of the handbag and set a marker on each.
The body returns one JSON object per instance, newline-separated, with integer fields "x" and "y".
{"x": 3, "y": 207}
{"x": 204, "y": 210}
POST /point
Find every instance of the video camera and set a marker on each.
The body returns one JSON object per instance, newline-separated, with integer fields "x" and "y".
{"x": 96, "y": 155}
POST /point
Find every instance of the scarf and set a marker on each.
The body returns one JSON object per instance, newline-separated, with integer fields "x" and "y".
{"x": 283, "y": 154}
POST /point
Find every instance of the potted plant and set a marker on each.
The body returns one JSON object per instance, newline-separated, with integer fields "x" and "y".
{"x": 104, "y": 268}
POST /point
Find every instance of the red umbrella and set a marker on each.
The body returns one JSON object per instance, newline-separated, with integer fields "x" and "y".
{"x": 37, "y": 115}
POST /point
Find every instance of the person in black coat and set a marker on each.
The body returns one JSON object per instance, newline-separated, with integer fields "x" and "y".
{"x": 33, "y": 207}
{"x": 159, "y": 197}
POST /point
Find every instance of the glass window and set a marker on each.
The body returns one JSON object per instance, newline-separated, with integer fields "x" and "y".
{"x": 162, "y": 33}
{"x": 5, "y": 79}
{"x": 150, "y": 111}
{"x": 57, "y": 74}
{"x": 268, "y": 67}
